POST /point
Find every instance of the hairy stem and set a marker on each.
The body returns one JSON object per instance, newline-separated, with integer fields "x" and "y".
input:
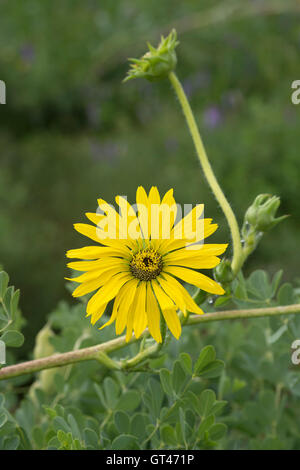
{"x": 208, "y": 171}
{"x": 92, "y": 353}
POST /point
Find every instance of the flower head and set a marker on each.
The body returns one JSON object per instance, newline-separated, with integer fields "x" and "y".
{"x": 142, "y": 257}
{"x": 158, "y": 62}
{"x": 261, "y": 214}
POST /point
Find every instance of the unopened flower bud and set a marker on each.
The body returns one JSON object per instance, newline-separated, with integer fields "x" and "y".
{"x": 223, "y": 272}
{"x": 158, "y": 62}
{"x": 261, "y": 214}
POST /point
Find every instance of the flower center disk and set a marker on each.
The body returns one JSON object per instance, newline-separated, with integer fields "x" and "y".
{"x": 146, "y": 264}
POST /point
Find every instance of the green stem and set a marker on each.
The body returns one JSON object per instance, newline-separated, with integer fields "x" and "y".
{"x": 140, "y": 357}
{"x": 208, "y": 171}
{"x": 92, "y": 353}
{"x": 147, "y": 353}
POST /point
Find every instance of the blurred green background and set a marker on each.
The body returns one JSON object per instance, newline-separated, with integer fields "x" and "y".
{"x": 71, "y": 131}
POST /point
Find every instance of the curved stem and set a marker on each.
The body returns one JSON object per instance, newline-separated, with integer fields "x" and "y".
{"x": 208, "y": 172}
{"x": 86, "y": 354}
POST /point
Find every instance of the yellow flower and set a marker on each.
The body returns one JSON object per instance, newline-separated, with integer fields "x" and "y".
{"x": 143, "y": 255}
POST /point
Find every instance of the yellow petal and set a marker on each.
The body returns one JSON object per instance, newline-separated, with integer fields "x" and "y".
{"x": 102, "y": 263}
{"x": 131, "y": 313}
{"x": 95, "y": 218}
{"x": 175, "y": 244}
{"x": 142, "y": 206}
{"x": 98, "y": 314}
{"x": 193, "y": 262}
{"x": 96, "y": 234}
{"x": 173, "y": 322}
{"x": 184, "y": 228}
{"x": 174, "y": 294}
{"x": 197, "y": 279}
{"x": 203, "y": 250}
{"x": 154, "y": 197}
{"x": 153, "y": 315}
{"x": 123, "y": 296}
{"x": 95, "y": 252}
{"x": 107, "y": 292}
{"x": 129, "y": 222}
{"x": 175, "y": 286}
{"x": 163, "y": 299}
{"x": 92, "y": 284}
{"x": 99, "y": 273}
{"x": 140, "y": 317}
{"x": 124, "y": 308}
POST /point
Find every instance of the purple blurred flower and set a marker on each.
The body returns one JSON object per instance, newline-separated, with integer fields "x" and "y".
{"x": 212, "y": 117}
{"x": 27, "y": 53}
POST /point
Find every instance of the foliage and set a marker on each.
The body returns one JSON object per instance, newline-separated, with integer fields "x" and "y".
{"x": 10, "y": 319}
{"x": 182, "y": 399}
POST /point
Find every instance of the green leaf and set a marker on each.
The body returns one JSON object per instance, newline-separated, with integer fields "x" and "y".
{"x": 285, "y": 295}
{"x": 112, "y": 390}
{"x": 240, "y": 290}
{"x": 53, "y": 444}
{"x": 168, "y": 435}
{"x": 11, "y": 443}
{"x": 4, "y": 280}
{"x": 3, "y": 419}
{"x": 50, "y": 412}
{"x": 14, "y": 302}
{"x": 271, "y": 339}
{"x": 91, "y": 438}
{"x": 186, "y": 363}
{"x": 206, "y": 402}
{"x": 218, "y": 407}
{"x": 222, "y": 300}
{"x": 122, "y": 422}
{"x": 192, "y": 400}
{"x": 60, "y": 424}
{"x": 258, "y": 284}
{"x": 138, "y": 424}
{"x": 214, "y": 369}
{"x": 166, "y": 382}
{"x": 101, "y": 396}
{"x": 129, "y": 401}
{"x": 207, "y": 355}
{"x": 153, "y": 397}
{"x": 125, "y": 442}
{"x": 74, "y": 427}
{"x": 8, "y": 297}
{"x": 217, "y": 431}
{"x": 205, "y": 424}
{"x": 275, "y": 282}
{"x": 13, "y": 338}
{"x": 182, "y": 423}
{"x": 178, "y": 377}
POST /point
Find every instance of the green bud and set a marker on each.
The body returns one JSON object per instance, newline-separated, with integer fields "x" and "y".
{"x": 223, "y": 272}
{"x": 158, "y": 62}
{"x": 261, "y": 214}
